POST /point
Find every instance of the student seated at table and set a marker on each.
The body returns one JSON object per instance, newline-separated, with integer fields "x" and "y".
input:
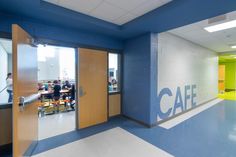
{"x": 41, "y": 86}
{"x": 66, "y": 85}
{"x": 72, "y": 97}
{"x": 64, "y": 97}
{"x": 56, "y": 91}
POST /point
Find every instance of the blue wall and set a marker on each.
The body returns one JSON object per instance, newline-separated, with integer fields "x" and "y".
{"x": 153, "y": 80}
{"x": 62, "y": 35}
{"x": 140, "y": 79}
{"x": 136, "y": 79}
{"x": 140, "y": 99}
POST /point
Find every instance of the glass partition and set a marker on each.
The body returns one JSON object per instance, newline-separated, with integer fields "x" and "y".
{"x": 114, "y": 73}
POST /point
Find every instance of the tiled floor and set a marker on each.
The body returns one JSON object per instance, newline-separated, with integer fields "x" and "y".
{"x": 56, "y": 124}
{"x": 115, "y": 142}
{"x": 211, "y": 133}
{"x": 181, "y": 118}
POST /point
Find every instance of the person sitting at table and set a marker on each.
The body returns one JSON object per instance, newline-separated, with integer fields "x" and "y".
{"x": 64, "y": 97}
{"x": 59, "y": 82}
{"x": 66, "y": 85}
{"x": 56, "y": 92}
{"x": 40, "y": 86}
{"x": 72, "y": 97}
{"x": 48, "y": 86}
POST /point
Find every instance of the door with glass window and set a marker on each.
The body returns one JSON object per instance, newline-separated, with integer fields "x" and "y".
{"x": 25, "y": 97}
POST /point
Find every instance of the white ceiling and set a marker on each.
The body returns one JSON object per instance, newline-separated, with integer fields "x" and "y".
{"x": 6, "y": 44}
{"x": 114, "y": 11}
{"x": 217, "y": 41}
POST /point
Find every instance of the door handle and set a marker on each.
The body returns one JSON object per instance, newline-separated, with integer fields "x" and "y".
{"x": 22, "y": 103}
{"x": 81, "y": 91}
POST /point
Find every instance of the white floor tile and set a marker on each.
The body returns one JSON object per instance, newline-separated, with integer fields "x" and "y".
{"x": 179, "y": 119}
{"x": 53, "y": 125}
{"x": 116, "y": 142}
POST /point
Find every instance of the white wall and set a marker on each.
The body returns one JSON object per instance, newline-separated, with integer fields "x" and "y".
{"x": 9, "y": 60}
{"x": 50, "y": 69}
{"x": 181, "y": 63}
{"x": 56, "y": 63}
{"x": 3, "y": 74}
{"x": 67, "y": 63}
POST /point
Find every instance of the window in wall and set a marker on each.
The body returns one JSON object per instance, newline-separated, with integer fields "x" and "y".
{"x": 5, "y": 68}
{"x": 67, "y": 64}
{"x": 114, "y": 73}
{"x": 56, "y": 63}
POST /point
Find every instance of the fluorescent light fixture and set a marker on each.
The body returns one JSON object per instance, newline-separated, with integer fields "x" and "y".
{"x": 222, "y": 26}
{"x": 233, "y": 47}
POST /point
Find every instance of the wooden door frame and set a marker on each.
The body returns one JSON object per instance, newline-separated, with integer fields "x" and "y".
{"x": 77, "y": 88}
{"x": 107, "y": 85}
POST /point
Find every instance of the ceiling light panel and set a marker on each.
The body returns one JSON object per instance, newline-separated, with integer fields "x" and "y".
{"x": 107, "y": 12}
{"x": 222, "y": 26}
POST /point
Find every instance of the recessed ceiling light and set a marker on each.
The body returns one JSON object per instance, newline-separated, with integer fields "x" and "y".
{"x": 222, "y": 26}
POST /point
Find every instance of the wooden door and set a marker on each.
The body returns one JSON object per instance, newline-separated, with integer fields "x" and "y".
{"x": 92, "y": 87}
{"x": 221, "y": 76}
{"x": 25, "y": 114}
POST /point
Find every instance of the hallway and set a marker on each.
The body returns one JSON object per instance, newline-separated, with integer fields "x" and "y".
{"x": 139, "y": 78}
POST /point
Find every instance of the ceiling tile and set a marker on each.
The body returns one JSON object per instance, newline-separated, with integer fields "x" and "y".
{"x": 218, "y": 41}
{"x": 148, "y": 6}
{"x": 124, "y": 19}
{"x": 107, "y": 12}
{"x": 83, "y": 6}
{"x": 127, "y": 4}
{"x": 114, "y": 11}
{"x": 231, "y": 16}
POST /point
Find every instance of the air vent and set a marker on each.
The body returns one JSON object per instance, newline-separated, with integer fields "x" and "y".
{"x": 217, "y": 19}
